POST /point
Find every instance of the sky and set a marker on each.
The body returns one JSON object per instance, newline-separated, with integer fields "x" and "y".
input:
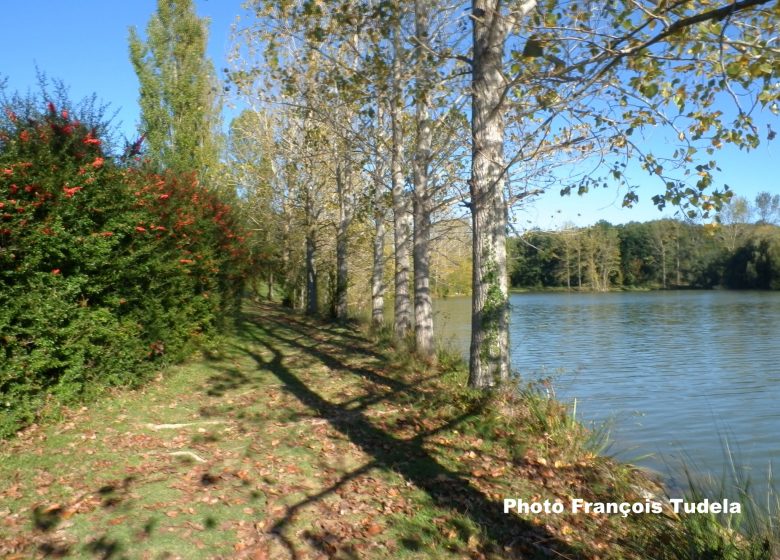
{"x": 84, "y": 43}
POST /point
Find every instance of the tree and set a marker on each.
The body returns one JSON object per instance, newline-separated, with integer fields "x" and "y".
{"x": 768, "y": 207}
{"x": 603, "y": 256}
{"x": 489, "y": 350}
{"x": 734, "y": 218}
{"x": 251, "y": 150}
{"x": 423, "y": 304}
{"x": 180, "y": 111}
{"x": 589, "y": 76}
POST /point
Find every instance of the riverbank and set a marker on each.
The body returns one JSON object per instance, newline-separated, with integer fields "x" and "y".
{"x": 299, "y": 439}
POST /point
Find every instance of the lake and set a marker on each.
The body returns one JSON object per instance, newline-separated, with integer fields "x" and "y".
{"x": 673, "y": 372}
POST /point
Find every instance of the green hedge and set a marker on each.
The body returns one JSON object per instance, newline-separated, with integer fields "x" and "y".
{"x": 106, "y": 268}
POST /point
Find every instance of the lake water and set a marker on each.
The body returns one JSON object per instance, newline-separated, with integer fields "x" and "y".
{"x": 674, "y": 372}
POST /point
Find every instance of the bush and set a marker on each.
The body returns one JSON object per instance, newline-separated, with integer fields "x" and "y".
{"x": 105, "y": 268}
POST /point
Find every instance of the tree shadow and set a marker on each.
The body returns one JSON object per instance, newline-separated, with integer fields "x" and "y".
{"x": 333, "y": 362}
{"x": 226, "y": 380}
{"x": 306, "y": 326}
{"x": 104, "y": 547}
{"x": 508, "y": 534}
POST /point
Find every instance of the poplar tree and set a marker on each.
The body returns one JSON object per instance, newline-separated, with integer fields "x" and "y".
{"x": 586, "y": 76}
{"x": 180, "y": 111}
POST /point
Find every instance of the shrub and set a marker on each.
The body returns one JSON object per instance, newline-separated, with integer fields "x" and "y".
{"x": 105, "y": 268}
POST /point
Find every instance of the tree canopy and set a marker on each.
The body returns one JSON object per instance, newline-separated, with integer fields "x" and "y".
{"x": 180, "y": 110}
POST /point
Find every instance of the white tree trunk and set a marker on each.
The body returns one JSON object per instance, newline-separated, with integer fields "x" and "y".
{"x": 378, "y": 265}
{"x": 287, "y": 282}
{"x": 402, "y": 240}
{"x": 401, "y": 214}
{"x": 377, "y": 271}
{"x": 423, "y": 303}
{"x": 489, "y": 357}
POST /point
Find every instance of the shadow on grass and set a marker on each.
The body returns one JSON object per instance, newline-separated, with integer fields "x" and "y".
{"x": 508, "y": 535}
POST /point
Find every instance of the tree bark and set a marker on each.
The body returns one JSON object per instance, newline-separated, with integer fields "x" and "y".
{"x": 489, "y": 356}
{"x": 377, "y": 272}
{"x": 312, "y": 302}
{"x": 342, "y": 267}
{"x": 378, "y": 268}
{"x": 423, "y": 303}
{"x": 312, "y": 299}
{"x": 401, "y": 215}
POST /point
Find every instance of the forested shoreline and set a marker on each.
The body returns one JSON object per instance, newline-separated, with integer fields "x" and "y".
{"x": 660, "y": 254}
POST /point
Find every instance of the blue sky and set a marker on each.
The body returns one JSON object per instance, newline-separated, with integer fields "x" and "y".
{"x": 84, "y": 43}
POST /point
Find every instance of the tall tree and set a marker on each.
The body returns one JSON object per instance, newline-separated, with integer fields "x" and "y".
{"x": 767, "y": 207}
{"x": 379, "y": 216}
{"x": 180, "y": 110}
{"x": 734, "y": 219}
{"x": 587, "y": 76}
{"x": 402, "y": 217}
{"x": 489, "y": 351}
{"x": 423, "y": 211}
{"x": 252, "y": 177}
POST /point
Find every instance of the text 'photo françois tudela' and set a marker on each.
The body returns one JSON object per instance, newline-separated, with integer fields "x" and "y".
{"x": 581, "y": 506}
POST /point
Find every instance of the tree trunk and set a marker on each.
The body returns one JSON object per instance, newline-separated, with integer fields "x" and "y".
{"x": 677, "y": 256}
{"x": 288, "y": 284}
{"x": 377, "y": 272}
{"x": 402, "y": 239}
{"x": 423, "y": 304}
{"x": 489, "y": 358}
{"x": 312, "y": 302}
{"x": 663, "y": 263}
{"x": 401, "y": 215}
{"x": 378, "y": 268}
{"x": 342, "y": 268}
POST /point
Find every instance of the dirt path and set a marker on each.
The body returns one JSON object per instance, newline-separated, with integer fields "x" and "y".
{"x": 301, "y": 440}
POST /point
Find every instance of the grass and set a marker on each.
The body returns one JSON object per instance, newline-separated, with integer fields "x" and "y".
{"x": 299, "y": 439}
{"x": 753, "y": 533}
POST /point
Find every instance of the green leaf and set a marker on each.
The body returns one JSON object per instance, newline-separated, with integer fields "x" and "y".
{"x": 533, "y": 48}
{"x": 649, "y": 90}
{"x": 733, "y": 69}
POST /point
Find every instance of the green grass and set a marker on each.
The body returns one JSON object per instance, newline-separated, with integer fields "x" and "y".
{"x": 299, "y": 438}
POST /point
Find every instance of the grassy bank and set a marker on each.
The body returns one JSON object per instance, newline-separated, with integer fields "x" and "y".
{"x": 298, "y": 439}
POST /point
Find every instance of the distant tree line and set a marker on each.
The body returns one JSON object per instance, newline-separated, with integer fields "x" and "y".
{"x": 741, "y": 251}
